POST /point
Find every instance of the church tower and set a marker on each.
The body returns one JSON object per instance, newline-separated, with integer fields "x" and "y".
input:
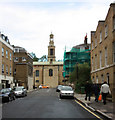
{"x": 51, "y": 49}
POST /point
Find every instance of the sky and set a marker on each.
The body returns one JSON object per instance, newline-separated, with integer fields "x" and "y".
{"x": 28, "y": 23}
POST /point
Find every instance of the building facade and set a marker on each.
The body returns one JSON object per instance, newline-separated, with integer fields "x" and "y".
{"x": 49, "y": 72}
{"x": 6, "y": 62}
{"x": 103, "y": 50}
{"x": 23, "y": 68}
{"x": 79, "y": 54}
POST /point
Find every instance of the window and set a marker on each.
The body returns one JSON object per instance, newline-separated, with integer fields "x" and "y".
{"x": 37, "y": 73}
{"x": 51, "y": 51}
{"x": 92, "y": 63}
{"x": 114, "y": 22}
{"x": 50, "y": 72}
{"x": 93, "y": 80}
{"x": 10, "y": 70}
{"x": 95, "y": 61}
{"x": 23, "y": 59}
{"x": 106, "y": 31}
{"x": 95, "y": 42}
{"x": 102, "y": 79}
{"x": 100, "y": 36}
{"x": 92, "y": 45}
{"x": 108, "y": 78}
{"x": 2, "y": 51}
{"x": 16, "y": 49}
{"x": 6, "y": 69}
{"x": 96, "y": 79}
{"x": 37, "y": 81}
{"x": 16, "y": 59}
{"x": 105, "y": 56}
{"x": 6, "y": 53}
{"x": 114, "y": 51}
{"x": 10, "y": 56}
{"x": 100, "y": 59}
{"x": 2, "y": 68}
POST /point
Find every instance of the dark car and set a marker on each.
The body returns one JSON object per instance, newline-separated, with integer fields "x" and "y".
{"x": 7, "y": 94}
{"x": 58, "y": 88}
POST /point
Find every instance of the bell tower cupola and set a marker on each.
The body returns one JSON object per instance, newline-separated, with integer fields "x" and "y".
{"x": 51, "y": 49}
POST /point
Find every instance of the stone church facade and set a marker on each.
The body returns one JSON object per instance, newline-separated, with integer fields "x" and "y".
{"x": 50, "y": 72}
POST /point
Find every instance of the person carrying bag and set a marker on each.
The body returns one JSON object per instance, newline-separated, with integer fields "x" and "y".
{"x": 104, "y": 91}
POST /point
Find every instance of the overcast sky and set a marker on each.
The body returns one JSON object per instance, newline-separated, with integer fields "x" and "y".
{"x": 28, "y": 23}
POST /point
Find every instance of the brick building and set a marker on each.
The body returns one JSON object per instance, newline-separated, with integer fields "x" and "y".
{"x": 6, "y": 62}
{"x": 103, "y": 50}
{"x": 50, "y": 72}
{"x": 23, "y": 68}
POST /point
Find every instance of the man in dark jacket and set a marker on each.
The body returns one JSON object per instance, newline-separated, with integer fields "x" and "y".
{"x": 96, "y": 90}
{"x": 88, "y": 89}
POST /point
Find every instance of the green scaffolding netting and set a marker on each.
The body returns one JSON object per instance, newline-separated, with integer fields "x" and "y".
{"x": 74, "y": 56}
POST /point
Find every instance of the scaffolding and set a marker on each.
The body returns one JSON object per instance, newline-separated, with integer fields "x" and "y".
{"x": 74, "y": 56}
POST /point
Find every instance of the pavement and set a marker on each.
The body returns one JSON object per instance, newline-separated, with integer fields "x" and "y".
{"x": 105, "y": 110}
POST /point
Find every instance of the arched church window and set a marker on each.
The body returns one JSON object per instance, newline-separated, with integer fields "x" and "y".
{"x": 50, "y": 72}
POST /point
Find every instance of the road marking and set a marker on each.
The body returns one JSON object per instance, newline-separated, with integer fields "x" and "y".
{"x": 88, "y": 110}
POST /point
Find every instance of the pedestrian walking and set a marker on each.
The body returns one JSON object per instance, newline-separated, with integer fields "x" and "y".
{"x": 96, "y": 90}
{"x": 104, "y": 91}
{"x": 88, "y": 89}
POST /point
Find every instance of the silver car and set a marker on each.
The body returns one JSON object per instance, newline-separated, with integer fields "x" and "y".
{"x": 20, "y": 91}
{"x": 66, "y": 91}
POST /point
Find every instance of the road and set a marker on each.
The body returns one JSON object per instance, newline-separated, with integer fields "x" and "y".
{"x": 44, "y": 103}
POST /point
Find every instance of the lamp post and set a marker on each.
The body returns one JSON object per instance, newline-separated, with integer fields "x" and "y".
{"x": 77, "y": 70}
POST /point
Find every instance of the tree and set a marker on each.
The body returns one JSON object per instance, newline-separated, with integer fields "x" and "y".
{"x": 34, "y": 57}
{"x": 80, "y": 75}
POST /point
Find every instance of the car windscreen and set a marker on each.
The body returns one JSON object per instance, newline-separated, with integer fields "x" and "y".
{"x": 4, "y": 90}
{"x": 66, "y": 88}
{"x": 18, "y": 89}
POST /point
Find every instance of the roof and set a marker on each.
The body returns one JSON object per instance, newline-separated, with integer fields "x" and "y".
{"x": 48, "y": 63}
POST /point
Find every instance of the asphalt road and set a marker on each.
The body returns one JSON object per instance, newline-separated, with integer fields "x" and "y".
{"x": 44, "y": 103}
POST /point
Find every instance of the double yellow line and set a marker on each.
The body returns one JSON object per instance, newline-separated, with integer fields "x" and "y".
{"x": 88, "y": 110}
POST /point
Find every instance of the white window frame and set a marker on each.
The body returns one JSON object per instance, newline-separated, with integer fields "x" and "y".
{"x": 106, "y": 30}
{"x": 114, "y": 23}
{"x": 95, "y": 42}
{"x": 16, "y": 59}
{"x": 2, "y": 68}
{"x": 2, "y": 51}
{"x": 100, "y": 37}
{"x": 100, "y": 59}
{"x": 92, "y": 64}
{"x": 10, "y": 56}
{"x": 92, "y": 45}
{"x": 16, "y": 49}
{"x": 10, "y": 70}
{"x": 97, "y": 81}
{"x": 6, "y": 53}
{"x": 95, "y": 62}
{"x": 102, "y": 78}
{"x": 23, "y": 58}
{"x": 105, "y": 56}
{"x": 6, "y": 69}
{"x": 114, "y": 52}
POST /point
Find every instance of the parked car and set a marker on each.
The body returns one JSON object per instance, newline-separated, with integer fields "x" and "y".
{"x": 66, "y": 91}
{"x": 58, "y": 88}
{"x": 43, "y": 86}
{"x": 7, "y": 94}
{"x": 20, "y": 91}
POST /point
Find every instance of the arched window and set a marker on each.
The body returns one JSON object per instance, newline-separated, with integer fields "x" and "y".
{"x": 50, "y": 72}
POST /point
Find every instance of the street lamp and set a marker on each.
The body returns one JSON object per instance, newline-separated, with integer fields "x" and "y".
{"x": 77, "y": 70}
